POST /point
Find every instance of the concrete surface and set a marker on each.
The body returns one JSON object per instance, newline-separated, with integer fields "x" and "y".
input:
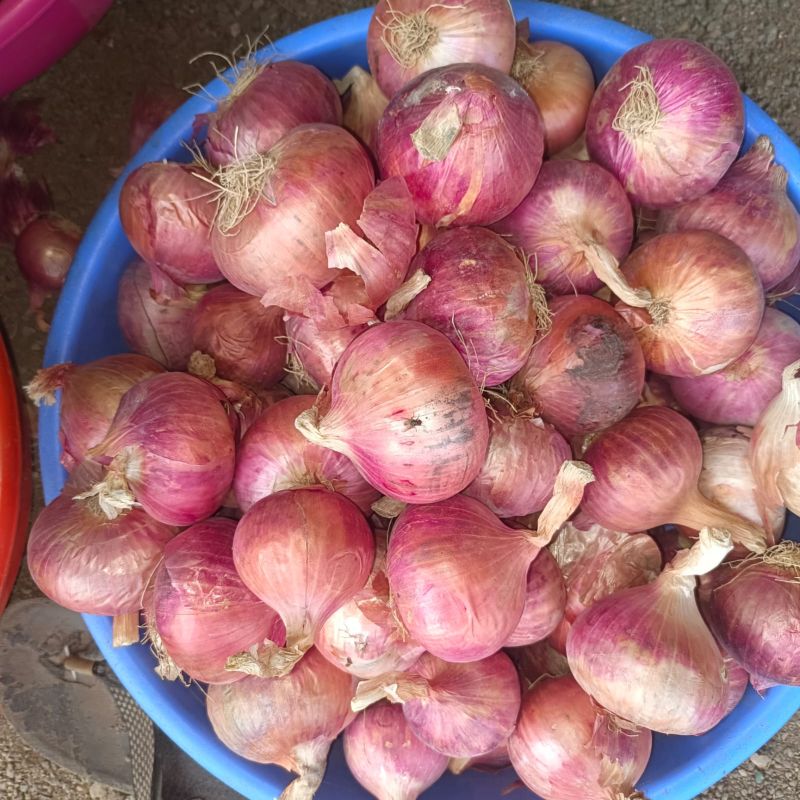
{"x": 87, "y": 99}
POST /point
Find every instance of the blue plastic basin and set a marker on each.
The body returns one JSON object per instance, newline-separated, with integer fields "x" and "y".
{"x": 85, "y": 328}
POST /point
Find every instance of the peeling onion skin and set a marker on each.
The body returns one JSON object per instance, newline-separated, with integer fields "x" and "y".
{"x": 681, "y": 149}
{"x": 493, "y": 761}
{"x": 565, "y": 747}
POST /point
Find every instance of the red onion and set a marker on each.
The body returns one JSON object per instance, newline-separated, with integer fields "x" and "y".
{"x": 167, "y": 211}
{"x": 739, "y": 393}
{"x": 565, "y": 747}
{"x": 522, "y": 461}
{"x": 157, "y": 323}
{"x": 304, "y": 552}
{"x": 245, "y": 339}
{"x": 151, "y": 107}
{"x": 203, "y": 612}
{"x": 460, "y": 710}
{"x": 170, "y": 449}
{"x": 274, "y": 211}
{"x": 587, "y": 373}
{"x": 385, "y": 756}
{"x": 750, "y": 207}
{"x": 290, "y": 721}
{"x": 90, "y": 396}
{"x": 492, "y": 761}
{"x": 646, "y": 471}
{"x": 405, "y": 411}
{"x": 459, "y": 576}
{"x": 646, "y": 654}
{"x": 363, "y": 103}
{"x": 434, "y": 133}
{"x": 409, "y": 37}
{"x": 480, "y": 297}
{"x": 22, "y": 200}
{"x": 667, "y": 120}
{"x": 264, "y": 103}
{"x": 274, "y": 456}
{"x": 573, "y": 208}
{"x": 534, "y": 661}
{"x": 693, "y": 298}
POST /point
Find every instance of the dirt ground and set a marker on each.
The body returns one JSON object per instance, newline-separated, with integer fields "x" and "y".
{"x": 143, "y": 42}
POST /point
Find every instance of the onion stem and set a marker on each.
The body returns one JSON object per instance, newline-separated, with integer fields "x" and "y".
{"x": 125, "y": 629}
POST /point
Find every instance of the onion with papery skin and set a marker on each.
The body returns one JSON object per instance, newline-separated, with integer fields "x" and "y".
{"x": 459, "y": 576}
{"x": 363, "y": 103}
{"x": 460, "y": 710}
{"x": 274, "y": 456}
{"x": 290, "y": 721}
{"x": 385, "y": 756}
{"x": 409, "y": 37}
{"x": 480, "y": 296}
{"x": 157, "y": 322}
{"x": 587, "y": 373}
{"x": 434, "y": 133}
{"x": 645, "y": 653}
{"x": 167, "y": 211}
{"x": 202, "y": 611}
{"x": 573, "y": 208}
{"x": 750, "y": 207}
{"x": 90, "y": 396}
{"x": 264, "y": 103}
{"x": 646, "y": 470}
{"x": 170, "y": 449}
{"x": 245, "y": 339}
{"x": 667, "y": 119}
{"x": 304, "y": 552}
{"x": 565, "y": 747}
{"x": 739, "y": 393}
{"x": 405, "y": 410}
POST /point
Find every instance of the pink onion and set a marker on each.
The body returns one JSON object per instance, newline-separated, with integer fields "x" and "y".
{"x": 586, "y": 373}
{"x": 739, "y": 393}
{"x": 304, "y": 552}
{"x": 522, "y": 461}
{"x": 157, "y": 322}
{"x": 565, "y": 747}
{"x": 646, "y": 471}
{"x": 290, "y": 721}
{"x": 409, "y": 37}
{"x": 434, "y": 133}
{"x": 646, "y": 654}
{"x": 480, "y": 297}
{"x": 405, "y": 411}
{"x": 90, "y": 396}
{"x": 750, "y": 207}
{"x": 265, "y": 102}
{"x": 151, "y": 107}
{"x": 203, "y": 612}
{"x": 667, "y": 119}
{"x": 385, "y": 756}
{"x": 170, "y": 449}
{"x": 460, "y": 710}
{"x": 22, "y": 200}
{"x": 363, "y": 103}
{"x": 274, "y": 456}
{"x": 166, "y": 211}
{"x": 573, "y": 208}
{"x": 245, "y": 339}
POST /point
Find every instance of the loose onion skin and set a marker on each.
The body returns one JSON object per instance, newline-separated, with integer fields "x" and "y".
{"x": 385, "y": 756}
{"x": 290, "y": 721}
{"x": 90, "y": 396}
{"x": 572, "y": 205}
{"x": 750, "y": 207}
{"x": 202, "y": 611}
{"x": 408, "y": 37}
{"x": 565, "y": 747}
{"x": 668, "y": 120}
{"x": 166, "y": 211}
{"x": 264, "y": 104}
{"x": 479, "y": 297}
{"x": 587, "y": 373}
{"x": 433, "y": 134}
{"x": 405, "y": 410}
{"x": 739, "y": 393}
{"x": 363, "y": 103}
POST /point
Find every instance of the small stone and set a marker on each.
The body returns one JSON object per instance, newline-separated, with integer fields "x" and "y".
{"x": 759, "y": 776}
{"x": 235, "y": 29}
{"x": 760, "y": 761}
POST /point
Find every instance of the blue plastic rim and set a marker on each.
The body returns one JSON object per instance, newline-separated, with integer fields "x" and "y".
{"x": 85, "y": 328}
